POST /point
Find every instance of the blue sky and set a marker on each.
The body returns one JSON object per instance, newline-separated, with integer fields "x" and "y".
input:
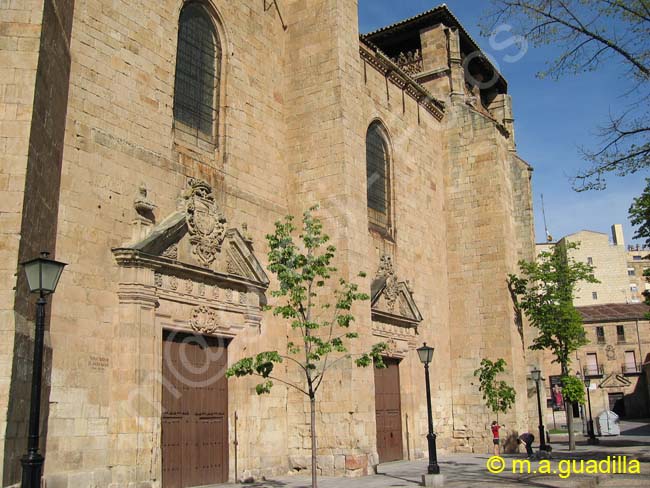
{"x": 552, "y": 120}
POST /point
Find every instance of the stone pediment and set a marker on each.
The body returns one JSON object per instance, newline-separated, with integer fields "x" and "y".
{"x": 615, "y": 381}
{"x": 392, "y": 300}
{"x": 196, "y": 239}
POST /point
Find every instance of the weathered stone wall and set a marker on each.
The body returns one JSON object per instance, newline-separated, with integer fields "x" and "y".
{"x": 482, "y": 249}
{"x": 19, "y": 47}
{"x": 295, "y": 105}
{"x": 417, "y": 244}
{"x": 119, "y": 134}
{"x": 36, "y": 69}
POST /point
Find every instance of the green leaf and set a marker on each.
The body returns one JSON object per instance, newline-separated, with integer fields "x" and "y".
{"x": 264, "y": 388}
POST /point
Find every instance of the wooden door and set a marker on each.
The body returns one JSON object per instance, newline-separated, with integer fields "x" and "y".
{"x": 195, "y": 411}
{"x": 388, "y": 412}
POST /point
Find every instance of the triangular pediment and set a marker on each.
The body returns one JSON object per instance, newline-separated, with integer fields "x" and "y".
{"x": 196, "y": 237}
{"x": 392, "y": 300}
{"x": 615, "y": 381}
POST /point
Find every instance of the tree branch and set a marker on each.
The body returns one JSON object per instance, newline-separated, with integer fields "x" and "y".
{"x": 630, "y": 10}
{"x": 580, "y": 28}
{"x": 282, "y": 381}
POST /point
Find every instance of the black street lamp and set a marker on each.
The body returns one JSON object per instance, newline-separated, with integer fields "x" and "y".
{"x": 42, "y": 277}
{"x": 590, "y": 423}
{"x": 537, "y": 375}
{"x": 426, "y": 355}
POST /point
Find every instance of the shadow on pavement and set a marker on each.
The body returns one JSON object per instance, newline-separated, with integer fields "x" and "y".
{"x": 269, "y": 484}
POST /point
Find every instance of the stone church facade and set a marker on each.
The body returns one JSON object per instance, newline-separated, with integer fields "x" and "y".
{"x": 152, "y": 149}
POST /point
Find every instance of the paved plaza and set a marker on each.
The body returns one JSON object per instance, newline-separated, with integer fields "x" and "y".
{"x": 460, "y": 470}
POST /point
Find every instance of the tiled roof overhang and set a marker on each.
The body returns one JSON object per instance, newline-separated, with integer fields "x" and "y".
{"x": 613, "y": 312}
{"x": 440, "y": 14}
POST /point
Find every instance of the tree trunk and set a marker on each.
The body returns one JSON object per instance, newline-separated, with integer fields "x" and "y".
{"x": 568, "y": 409}
{"x": 312, "y": 406}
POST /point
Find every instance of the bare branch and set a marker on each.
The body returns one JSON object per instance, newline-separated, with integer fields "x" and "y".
{"x": 282, "y": 381}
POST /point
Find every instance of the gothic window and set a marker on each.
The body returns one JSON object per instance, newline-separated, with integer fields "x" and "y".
{"x": 198, "y": 61}
{"x": 378, "y": 177}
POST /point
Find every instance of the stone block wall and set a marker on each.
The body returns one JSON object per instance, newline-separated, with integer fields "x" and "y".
{"x": 418, "y": 158}
{"x": 19, "y": 47}
{"x": 36, "y": 67}
{"x": 118, "y": 135}
{"x": 296, "y": 100}
{"x": 483, "y": 248}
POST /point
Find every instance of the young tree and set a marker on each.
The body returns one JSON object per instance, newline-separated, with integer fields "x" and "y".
{"x": 545, "y": 292}
{"x": 590, "y": 35}
{"x": 639, "y": 214}
{"x": 302, "y": 269}
{"x": 498, "y": 395}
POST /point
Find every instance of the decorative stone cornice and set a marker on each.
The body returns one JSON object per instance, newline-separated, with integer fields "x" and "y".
{"x": 136, "y": 258}
{"x": 382, "y": 63}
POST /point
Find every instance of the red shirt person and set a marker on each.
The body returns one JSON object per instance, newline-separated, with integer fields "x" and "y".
{"x": 495, "y": 436}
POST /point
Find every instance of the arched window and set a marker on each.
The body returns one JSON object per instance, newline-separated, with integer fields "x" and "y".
{"x": 378, "y": 176}
{"x": 198, "y": 61}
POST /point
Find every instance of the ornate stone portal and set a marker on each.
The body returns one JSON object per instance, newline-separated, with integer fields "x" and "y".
{"x": 395, "y": 316}
{"x": 188, "y": 277}
{"x": 198, "y": 274}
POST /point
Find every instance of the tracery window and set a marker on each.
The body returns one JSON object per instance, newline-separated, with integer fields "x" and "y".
{"x": 378, "y": 177}
{"x": 198, "y": 62}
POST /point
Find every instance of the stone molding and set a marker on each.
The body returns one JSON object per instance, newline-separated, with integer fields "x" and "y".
{"x": 387, "y": 67}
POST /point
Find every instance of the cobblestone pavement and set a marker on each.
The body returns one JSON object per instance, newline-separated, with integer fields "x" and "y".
{"x": 463, "y": 470}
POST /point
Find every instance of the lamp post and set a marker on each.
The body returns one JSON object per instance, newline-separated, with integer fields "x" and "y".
{"x": 590, "y": 423}
{"x": 426, "y": 355}
{"x": 42, "y": 277}
{"x": 537, "y": 375}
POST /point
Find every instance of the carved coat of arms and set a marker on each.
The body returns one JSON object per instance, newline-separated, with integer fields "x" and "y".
{"x": 205, "y": 222}
{"x": 391, "y": 291}
{"x": 204, "y": 319}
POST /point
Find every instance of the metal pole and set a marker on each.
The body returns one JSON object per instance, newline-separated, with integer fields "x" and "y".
{"x": 433, "y": 467}
{"x": 542, "y": 436}
{"x": 32, "y": 462}
{"x": 590, "y": 424}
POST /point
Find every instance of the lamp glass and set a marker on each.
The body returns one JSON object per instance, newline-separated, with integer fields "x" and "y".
{"x": 536, "y": 374}
{"x": 426, "y": 353}
{"x": 33, "y": 272}
{"x": 587, "y": 382}
{"x": 43, "y": 274}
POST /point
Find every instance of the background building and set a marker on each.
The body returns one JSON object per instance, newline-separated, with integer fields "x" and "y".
{"x": 617, "y": 327}
{"x": 638, "y": 260}
{"x": 152, "y": 147}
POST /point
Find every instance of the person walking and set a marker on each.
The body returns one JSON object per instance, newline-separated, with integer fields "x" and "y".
{"x": 527, "y": 438}
{"x": 495, "y": 436}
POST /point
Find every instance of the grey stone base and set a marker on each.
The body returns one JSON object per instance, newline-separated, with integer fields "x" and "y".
{"x": 433, "y": 480}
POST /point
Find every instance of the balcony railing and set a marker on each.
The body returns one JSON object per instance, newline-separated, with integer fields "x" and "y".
{"x": 620, "y": 338}
{"x": 629, "y": 368}
{"x": 600, "y": 339}
{"x": 593, "y": 371}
